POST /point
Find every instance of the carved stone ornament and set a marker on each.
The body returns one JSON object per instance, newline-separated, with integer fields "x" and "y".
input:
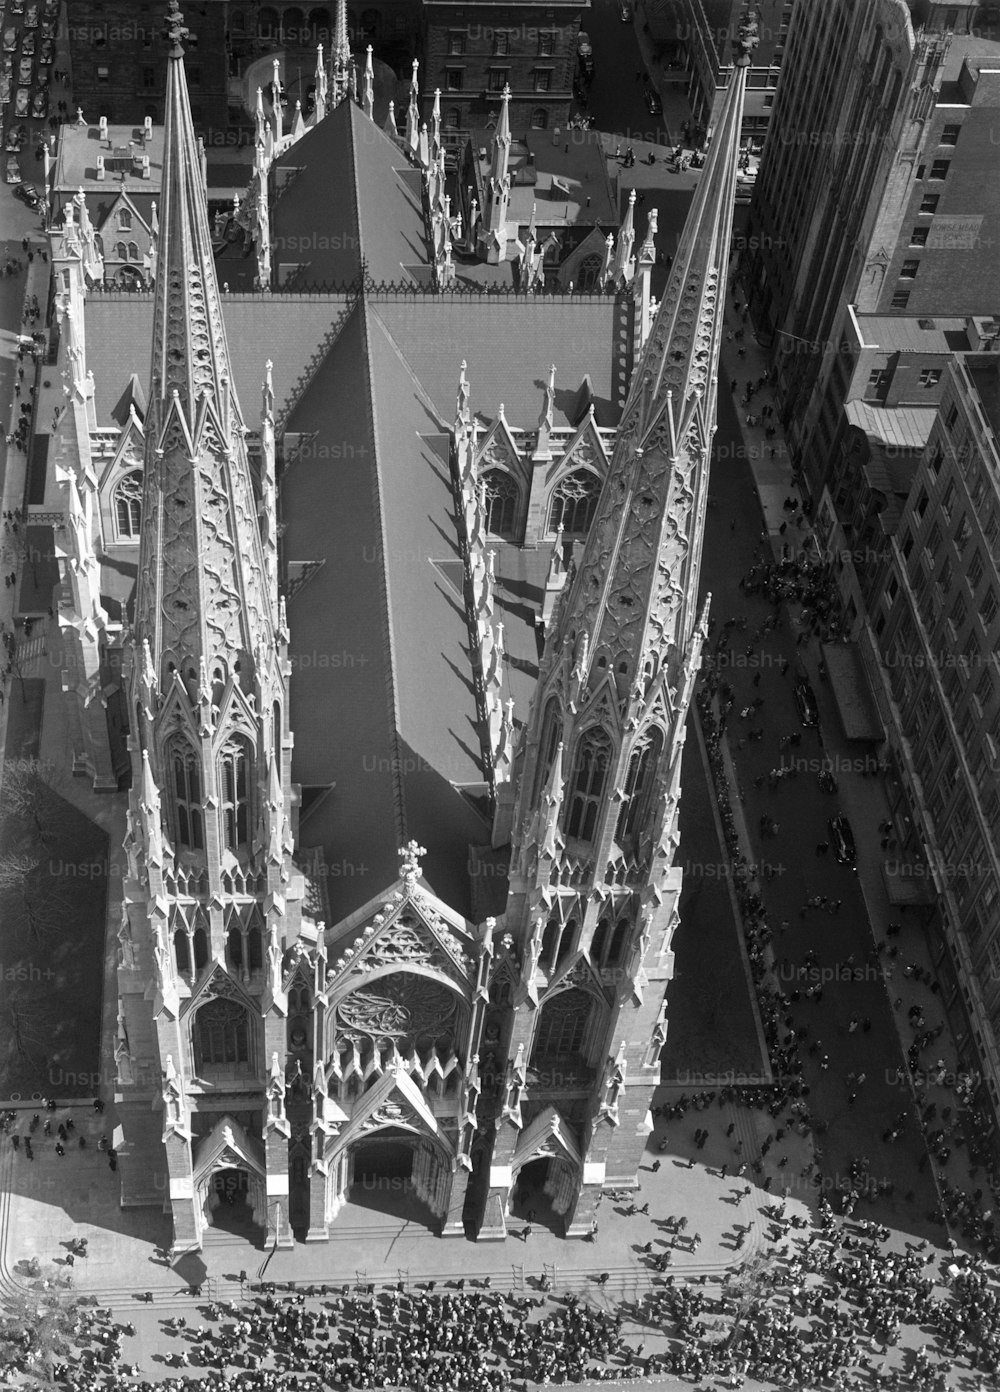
{"x": 400, "y": 1006}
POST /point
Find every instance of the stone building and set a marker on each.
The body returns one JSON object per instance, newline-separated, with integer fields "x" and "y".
{"x": 405, "y": 682}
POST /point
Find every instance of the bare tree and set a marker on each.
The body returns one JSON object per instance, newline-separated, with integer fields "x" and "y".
{"x": 749, "y": 1287}
{"x": 33, "y": 809}
{"x": 37, "y": 1329}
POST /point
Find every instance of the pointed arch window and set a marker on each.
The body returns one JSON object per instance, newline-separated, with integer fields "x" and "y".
{"x": 234, "y": 785}
{"x": 619, "y": 941}
{"x": 128, "y": 506}
{"x": 501, "y": 497}
{"x": 189, "y": 815}
{"x": 589, "y": 780}
{"x": 221, "y": 1035}
{"x": 547, "y": 746}
{"x": 574, "y": 503}
{"x": 133, "y": 251}
{"x": 121, "y": 251}
{"x": 599, "y": 942}
{"x": 539, "y": 118}
{"x": 639, "y": 780}
{"x": 124, "y": 220}
{"x": 182, "y": 955}
{"x": 562, "y": 1026}
{"x": 588, "y": 274}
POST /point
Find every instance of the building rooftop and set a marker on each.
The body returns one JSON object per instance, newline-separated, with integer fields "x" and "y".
{"x": 557, "y": 177}
{"x": 901, "y": 333}
{"x": 902, "y": 427}
{"x": 122, "y": 148}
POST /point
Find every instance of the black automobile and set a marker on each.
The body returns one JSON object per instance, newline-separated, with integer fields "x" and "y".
{"x": 842, "y": 838}
{"x": 26, "y": 194}
{"x": 805, "y": 699}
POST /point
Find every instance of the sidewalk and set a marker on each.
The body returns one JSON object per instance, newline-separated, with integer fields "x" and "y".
{"x": 862, "y": 798}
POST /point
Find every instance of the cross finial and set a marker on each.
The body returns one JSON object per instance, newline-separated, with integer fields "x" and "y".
{"x": 176, "y": 33}
{"x": 410, "y": 862}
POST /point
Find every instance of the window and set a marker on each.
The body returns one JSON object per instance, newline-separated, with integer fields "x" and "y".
{"x": 599, "y": 942}
{"x": 547, "y": 746}
{"x": 921, "y": 507}
{"x": 148, "y": 78}
{"x": 562, "y": 1024}
{"x": 633, "y": 816}
{"x": 934, "y": 463}
{"x": 948, "y": 500}
{"x": 133, "y": 251}
{"x": 929, "y": 202}
{"x": 456, "y": 45}
{"x": 900, "y": 299}
{"x": 590, "y": 773}
{"x": 452, "y": 118}
{"x": 918, "y": 236}
{"x": 878, "y": 379}
{"x": 235, "y": 789}
{"x": 588, "y": 274}
{"x": 501, "y": 495}
{"x": 975, "y": 571}
{"x": 949, "y": 136}
{"x": 221, "y": 1034}
{"x": 543, "y": 79}
{"x": 540, "y": 121}
{"x": 187, "y": 796}
{"x": 121, "y": 251}
{"x": 907, "y": 547}
{"x": 546, "y": 44}
{"x": 103, "y": 74}
{"x": 958, "y": 613}
{"x": 939, "y": 169}
{"x": 501, "y": 43}
{"x": 453, "y": 79}
{"x": 951, "y": 418}
{"x": 930, "y": 376}
{"x": 988, "y": 608}
{"x": 574, "y": 502}
{"x": 128, "y": 506}
{"x": 984, "y": 690}
{"x": 908, "y": 270}
{"x": 182, "y": 953}
{"x": 933, "y": 544}
{"x": 498, "y": 79}
{"x": 962, "y": 534}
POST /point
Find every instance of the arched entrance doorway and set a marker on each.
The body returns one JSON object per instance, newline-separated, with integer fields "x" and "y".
{"x": 529, "y": 1201}
{"x": 229, "y": 1200}
{"x": 382, "y": 1174}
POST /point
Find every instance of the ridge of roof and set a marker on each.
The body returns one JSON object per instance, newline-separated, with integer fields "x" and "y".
{"x": 392, "y": 694}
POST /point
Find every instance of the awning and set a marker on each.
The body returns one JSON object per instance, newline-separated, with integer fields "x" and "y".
{"x": 852, "y": 692}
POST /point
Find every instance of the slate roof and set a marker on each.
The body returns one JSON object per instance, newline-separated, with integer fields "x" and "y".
{"x": 355, "y": 196}
{"x": 382, "y": 701}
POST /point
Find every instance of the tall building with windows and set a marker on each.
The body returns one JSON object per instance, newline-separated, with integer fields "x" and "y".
{"x": 372, "y": 947}
{"x": 875, "y": 190}
{"x": 932, "y": 634}
{"x": 469, "y": 50}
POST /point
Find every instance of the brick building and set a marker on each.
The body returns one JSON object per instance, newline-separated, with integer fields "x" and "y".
{"x": 470, "y": 50}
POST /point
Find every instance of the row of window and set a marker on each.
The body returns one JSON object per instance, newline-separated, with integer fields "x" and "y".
{"x": 235, "y": 764}
{"x": 458, "y": 39}
{"x": 574, "y": 502}
{"x": 497, "y": 79}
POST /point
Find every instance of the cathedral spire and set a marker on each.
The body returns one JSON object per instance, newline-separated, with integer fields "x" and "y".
{"x": 368, "y": 90}
{"x": 340, "y": 57}
{"x": 622, "y": 266}
{"x": 636, "y": 589}
{"x": 201, "y": 592}
{"x": 321, "y": 86}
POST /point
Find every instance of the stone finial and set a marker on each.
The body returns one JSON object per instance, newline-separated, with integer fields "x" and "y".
{"x": 410, "y": 862}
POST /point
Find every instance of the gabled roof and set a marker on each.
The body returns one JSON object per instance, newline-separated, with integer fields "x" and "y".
{"x": 133, "y": 395}
{"x": 357, "y": 191}
{"x": 378, "y": 640}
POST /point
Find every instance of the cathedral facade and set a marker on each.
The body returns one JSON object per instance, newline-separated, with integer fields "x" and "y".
{"x": 285, "y": 1036}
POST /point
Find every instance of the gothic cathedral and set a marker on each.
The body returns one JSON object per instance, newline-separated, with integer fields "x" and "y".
{"x": 263, "y": 1050}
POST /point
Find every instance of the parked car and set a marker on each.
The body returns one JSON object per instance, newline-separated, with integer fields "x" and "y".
{"x": 52, "y": 9}
{"x": 40, "y": 105}
{"x": 13, "y": 170}
{"x": 22, "y": 102}
{"x": 28, "y": 46}
{"x": 47, "y": 30}
{"x": 843, "y": 839}
{"x": 5, "y": 90}
{"x": 31, "y": 18}
{"x": 16, "y": 137}
{"x": 47, "y": 51}
{"x": 17, "y": 6}
{"x": 8, "y": 65}
{"x": 806, "y": 701}
{"x": 24, "y": 73}
{"x": 9, "y": 39}
{"x": 653, "y": 103}
{"x": 27, "y": 194}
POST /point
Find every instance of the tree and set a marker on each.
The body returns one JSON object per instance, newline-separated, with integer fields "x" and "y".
{"x": 37, "y": 1329}
{"x": 749, "y": 1287}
